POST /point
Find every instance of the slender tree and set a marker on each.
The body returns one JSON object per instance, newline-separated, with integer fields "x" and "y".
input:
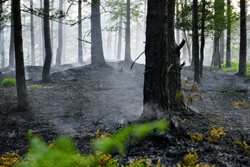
{"x": 127, "y": 34}
{"x": 229, "y": 22}
{"x": 203, "y": 20}
{"x": 47, "y": 42}
{"x": 42, "y": 45}
{"x": 32, "y": 36}
{"x": 60, "y": 37}
{"x": 80, "y": 51}
{"x": 2, "y": 51}
{"x": 119, "y": 47}
{"x": 97, "y": 57}
{"x": 243, "y": 39}
{"x": 12, "y": 45}
{"x": 20, "y": 74}
{"x": 196, "y": 42}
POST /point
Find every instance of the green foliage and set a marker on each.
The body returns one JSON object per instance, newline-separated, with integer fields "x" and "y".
{"x": 234, "y": 68}
{"x": 62, "y": 152}
{"x": 127, "y": 136}
{"x": 8, "y": 82}
{"x": 36, "y": 86}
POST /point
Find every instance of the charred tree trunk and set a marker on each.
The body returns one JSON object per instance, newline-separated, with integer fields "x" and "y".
{"x": 12, "y": 45}
{"x": 20, "y": 74}
{"x": 229, "y": 15}
{"x": 243, "y": 39}
{"x": 60, "y": 37}
{"x": 127, "y": 34}
{"x": 80, "y": 51}
{"x": 97, "y": 57}
{"x": 32, "y": 36}
{"x": 196, "y": 42}
{"x": 162, "y": 68}
{"x": 47, "y": 42}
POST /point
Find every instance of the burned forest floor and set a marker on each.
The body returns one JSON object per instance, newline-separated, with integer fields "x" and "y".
{"x": 83, "y": 99}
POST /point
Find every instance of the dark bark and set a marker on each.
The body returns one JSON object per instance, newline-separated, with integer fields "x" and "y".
{"x": 80, "y": 51}
{"x": 222, "y": 47}
{"x": 203, "y": 20}
{"x": 42, "y": 45}
{"x": 52, "y": 27}
{"x": 97, "y": 57}
{"x": 119, "y": 47}
{"x": 60, "y": 37}
{"x": 162, "y": 68}
{"x": 127, "y": 34}
{"x": 243, "y": 39}
{"x": 48, "y": 52}
{"x": 20, "y": 74}
{"x": 12, "y": 45}
{"x": 228, "y": 52}
{"x": 196, "y": 42}
{"x": 32, "y": 36}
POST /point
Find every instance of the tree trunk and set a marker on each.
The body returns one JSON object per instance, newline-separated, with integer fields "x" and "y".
{"x": 12, "y": 45}
{"x": 47, "y": 42}
{"x": 60, "y": 37}
{"x": 52, "y": 28}
{"x": 80, "y": 51}
{"x": 229, "y": 15}
{"x": 2, "y": 52}
{"x": 222, "y": 47}
{"x": 97, "y": 57}
{"x": 20, "y": 74}
{"x": 127, "y": 35}
{"x": 162, "y": 68}
{"x": 119, "y": 47}
{"x": 42, "y": 45}
{"x": 243, "y": 39}
{"x": 196, "y": 42}
{"x": 32, "y": 36}
{"x": 203, "y": 20}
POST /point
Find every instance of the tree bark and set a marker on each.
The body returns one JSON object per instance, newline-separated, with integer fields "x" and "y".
{"x": 243, "y": 39}
{"x": 203, "y": 20}
{"x": 20, "y": 74}
{"x": 2, "y": 50}
{"x": 229, "y": 15}
{"x": 32, "y": 36}
{"x": 47, "y": 63}
{"x": 12, "y": 45}
{"x": 60, "y": 37}
{"x": 127, "y": 34}
{"x": 196, "y": 42}
{"x": 97, "y": 57}
{"x": 42, "y": 45}
{"x": 80, "y": 50}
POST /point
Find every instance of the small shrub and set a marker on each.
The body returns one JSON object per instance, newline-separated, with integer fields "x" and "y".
{"x": 9, "y": 159}
{"x": 196, "y": 137}
{"x": 242, "y": 144}
{"x": 241, "y": 104}
{"x": 8, "y": 82}
{"x": 216, "y": 134}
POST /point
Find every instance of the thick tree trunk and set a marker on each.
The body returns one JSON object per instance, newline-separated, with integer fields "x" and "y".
{"x": 47, "y": 42}
{"x": 20, "y": 74}
{"x": 196, "y": 42}
{"x": 12, "y": 45}
{"x": 127, "y": 34}
{"x": 243, "y": 39}
{"x": 203, "y": 20}
{"x": 119, "y": 47}
{"x": 222, "y": 47}
{"x": 60, "y": 37}
{"x": 162, "y": 68}
{"x": 32, "y": 36}
{"x": 229, "y": 15}
{"x": 97, "y": 57}
{"x": 80, "y": 50}
{"x": 52, "y": 27}
{"x": 42, "y": 45}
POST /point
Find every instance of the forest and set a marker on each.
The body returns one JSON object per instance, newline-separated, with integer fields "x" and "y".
{"x": 124, "y": 83}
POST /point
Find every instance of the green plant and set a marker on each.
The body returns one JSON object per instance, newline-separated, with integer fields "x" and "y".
{"x": 36, "y": 86}
{"x": 8, "y": 82}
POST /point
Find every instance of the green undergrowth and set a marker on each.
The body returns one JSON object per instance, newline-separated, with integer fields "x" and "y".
{"x": 234, "y": 68}
{"x": 63, "y": 153}
{"x": 8, "y": 82}
{"x": 36, "y": 86}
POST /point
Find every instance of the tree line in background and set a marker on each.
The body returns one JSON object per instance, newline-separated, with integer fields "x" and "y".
{"x": 195, "y": 19}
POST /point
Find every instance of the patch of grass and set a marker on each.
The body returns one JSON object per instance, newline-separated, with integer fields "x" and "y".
{"x": 36, "y": 86}
{"x": 234, "y": 68}
{"x": 8, "y": 82}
